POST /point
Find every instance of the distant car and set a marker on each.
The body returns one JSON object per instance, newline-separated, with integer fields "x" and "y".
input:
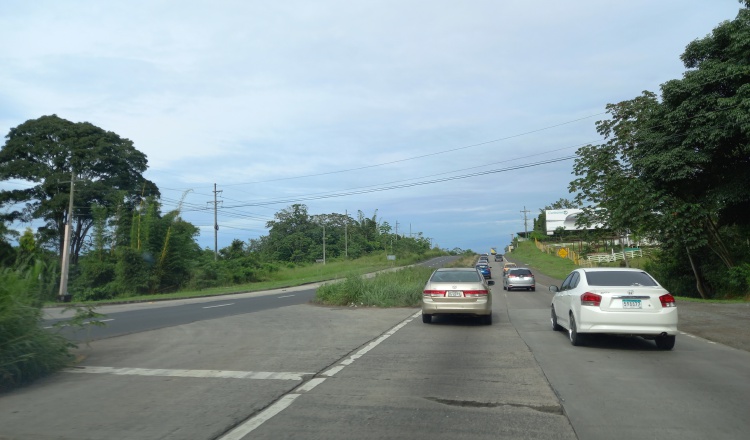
{"x": 519, "y": 278}
{"x": 483, "y": 260}
{"x": 507, "y": 266}
{"x": 498, "y": 257}
{"x": 616, "y": 301}
{"x": 485, "y": 270}
{"x": 452, "y": 291}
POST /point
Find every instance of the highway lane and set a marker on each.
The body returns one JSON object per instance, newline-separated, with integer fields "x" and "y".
{"x": 624, "y": 387}
{"x": 146, "y": 319}
{"x": 303, "y": 371}
{"x": 125, "y": 320}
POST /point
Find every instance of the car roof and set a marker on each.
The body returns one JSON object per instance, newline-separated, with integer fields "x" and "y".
{"x": 446, "y": 269}
{"x": 610, "y": 269}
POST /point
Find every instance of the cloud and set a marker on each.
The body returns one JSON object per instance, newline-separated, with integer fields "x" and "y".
{"x": 254, "y": 95}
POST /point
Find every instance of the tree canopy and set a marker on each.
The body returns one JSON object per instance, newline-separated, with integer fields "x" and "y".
{"x": 676, "y": 167}
{"x": 50, "y": 151}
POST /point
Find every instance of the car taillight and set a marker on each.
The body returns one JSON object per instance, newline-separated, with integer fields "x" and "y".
{"x": 667, "y": 300}
{"x": 475, "y": 293}
{"x": 591, "y": 299}
{"x": 432, "y": 293}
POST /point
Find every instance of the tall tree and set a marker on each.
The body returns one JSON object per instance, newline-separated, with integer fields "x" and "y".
{"x": 48, "y": 152}
{"x": 679, "y": 168}
{"x": 290, "y": 235}
{"x": 696, "y": 145}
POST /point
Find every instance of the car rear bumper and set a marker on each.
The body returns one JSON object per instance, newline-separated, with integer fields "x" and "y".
{"x": 483, "y": 307}
{"x": 593, "y": 320}
{"x": 521, "y": 285}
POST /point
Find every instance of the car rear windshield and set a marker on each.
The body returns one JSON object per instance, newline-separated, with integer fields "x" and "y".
{"x": 455, "y": 277}
{"x": 520, "y": 271}
{"x": 619, "y": 278}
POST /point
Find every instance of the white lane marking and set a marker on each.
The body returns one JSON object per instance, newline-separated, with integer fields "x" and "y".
{"x": 312, "y": 383}
{"x": 225, "y": 374}
{"x": 85, "y": 323}
{"x": 220, "y": 305}
{"x": 697, "y": 337}
{"x": 286, "y": 296}
{"x": 254, "y": 422}
{"x": 246, "y": 428}
{"x": 348, "y": 361}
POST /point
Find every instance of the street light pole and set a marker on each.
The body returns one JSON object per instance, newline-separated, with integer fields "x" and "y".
{"x": 63, "y": 295}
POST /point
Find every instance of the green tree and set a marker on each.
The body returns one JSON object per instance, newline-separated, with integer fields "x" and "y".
{"x": 290, "y": 235}
{"x": 48, "y": 152}
{"x": 678, "y": 169}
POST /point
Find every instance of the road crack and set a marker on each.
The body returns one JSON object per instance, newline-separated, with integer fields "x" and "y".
{"x": 549, "y": 409}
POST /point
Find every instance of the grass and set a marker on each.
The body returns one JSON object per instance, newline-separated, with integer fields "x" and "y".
{"x": 559, "y": 268}
{"x": 550, "y": 265}
{"x": 27, "y": 351}
{"x": 285, "y": 277}
{"x": 402, "y": 288}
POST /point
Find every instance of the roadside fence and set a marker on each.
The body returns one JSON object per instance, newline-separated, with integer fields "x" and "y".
{"x": 564, "y": 250}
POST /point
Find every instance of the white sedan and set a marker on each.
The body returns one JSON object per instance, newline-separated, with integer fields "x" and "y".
{"x": 614, "y": 301}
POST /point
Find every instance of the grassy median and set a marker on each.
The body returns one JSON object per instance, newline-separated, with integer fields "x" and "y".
{"x": 401, "y": 288}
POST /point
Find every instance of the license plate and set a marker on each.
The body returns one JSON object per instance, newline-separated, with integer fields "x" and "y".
{"x": 455, "y": 293}
{"x": 631, "y": 304}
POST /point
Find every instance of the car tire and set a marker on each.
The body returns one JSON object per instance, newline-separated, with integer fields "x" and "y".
{"x": 533, "y": 289}
{"x": 504, "y": 287}
{"x": 426, "y": 318}
{"x": 665, "y": 342}
{"x": 487, "y": 319}
{"x": 576, "y": 338}
{"x": 555, "y": 326}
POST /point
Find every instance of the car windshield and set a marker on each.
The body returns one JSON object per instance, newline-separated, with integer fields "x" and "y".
{"x": 619, "y": 278}
{"x": 520, "y": 271}
{"x": 456, "y": 276}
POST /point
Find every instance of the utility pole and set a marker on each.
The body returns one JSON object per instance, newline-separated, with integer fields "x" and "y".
{"x": 396, "y": 227}
{"x": 65, "y": 264}
{"x": 216, "y": 224}
{"x": 346, "y": 235}
{"x": 525, "y": 223}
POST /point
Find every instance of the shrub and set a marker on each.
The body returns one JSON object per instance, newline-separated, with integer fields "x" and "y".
{"x": 27, "y": 351}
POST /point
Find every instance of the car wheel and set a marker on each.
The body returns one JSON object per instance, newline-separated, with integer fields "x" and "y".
{"x": 533, "y": 289}
{"x": 504, "y": 287}
{"x": 487, "y": 319}
{"x": 575, "y": 338}
{"x": 665, "y": 342}
{"x": 426, "y": 318}
{"x": 555, "y": 326}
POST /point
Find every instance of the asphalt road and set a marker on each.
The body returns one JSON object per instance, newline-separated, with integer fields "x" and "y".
{"x": 303, "y": 371}
{"x": 124, "y": 319}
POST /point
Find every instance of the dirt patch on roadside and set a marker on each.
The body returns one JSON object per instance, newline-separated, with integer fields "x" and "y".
{"x": 728, "y": 324}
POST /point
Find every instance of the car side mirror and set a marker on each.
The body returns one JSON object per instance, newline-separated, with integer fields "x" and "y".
{"x": 554, "y": 289}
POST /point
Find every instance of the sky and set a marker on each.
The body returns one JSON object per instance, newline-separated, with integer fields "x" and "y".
{"x": 454, "y": 120}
